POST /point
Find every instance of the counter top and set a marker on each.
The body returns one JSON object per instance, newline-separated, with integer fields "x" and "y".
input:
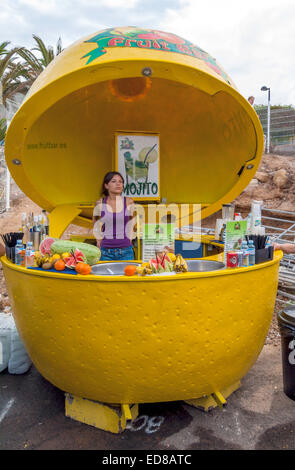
{"x": 149, "y": 278}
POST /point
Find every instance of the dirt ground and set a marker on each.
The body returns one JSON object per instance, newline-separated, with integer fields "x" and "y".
{"x": 273, "y": 184}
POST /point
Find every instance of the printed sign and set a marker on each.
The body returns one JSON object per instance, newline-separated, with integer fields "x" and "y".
{"x": 131, "y": 36}
{"x": 235, "y": 232}
{"x": 137, "y": 159}
{"x": 157, "y": 238}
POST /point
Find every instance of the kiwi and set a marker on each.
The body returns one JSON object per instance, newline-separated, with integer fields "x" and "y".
{"x": 47, "y": 265}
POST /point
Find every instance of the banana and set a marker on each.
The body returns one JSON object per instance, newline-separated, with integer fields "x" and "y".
{"x": 180, "y": 264}
{"x": 147, "y": 270}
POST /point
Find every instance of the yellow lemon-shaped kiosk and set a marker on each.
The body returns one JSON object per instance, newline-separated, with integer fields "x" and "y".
{"x": 122, "y": 340}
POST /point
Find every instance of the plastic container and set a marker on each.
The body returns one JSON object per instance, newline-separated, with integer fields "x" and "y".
{"x": 286, "y": 321}
{"x": 251, "y": 249}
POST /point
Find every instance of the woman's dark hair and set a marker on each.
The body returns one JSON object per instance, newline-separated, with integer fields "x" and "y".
{"x": 108, "y": 178}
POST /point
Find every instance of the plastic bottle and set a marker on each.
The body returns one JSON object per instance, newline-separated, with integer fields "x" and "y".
{"x": 19, "y": 253}
{"x": 245, "y": 251}
{"x": 30, "y": 255}
{"x": 222, "y": 233}
{"x": 255, "y": 216}
{"x": 251, "y": 249}
{"x": 18, "y": 248}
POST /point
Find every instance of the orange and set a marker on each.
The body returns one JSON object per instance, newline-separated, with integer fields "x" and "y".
{"x": 130, "y": 270}
{"x": 59, "y": 265}
{"x": 83, "y": 268}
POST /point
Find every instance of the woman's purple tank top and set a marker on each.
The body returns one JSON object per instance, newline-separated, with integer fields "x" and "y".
{"x": 114, "y": 227}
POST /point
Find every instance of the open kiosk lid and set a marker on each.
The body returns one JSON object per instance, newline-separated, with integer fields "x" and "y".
{"x": 61, "y": 142}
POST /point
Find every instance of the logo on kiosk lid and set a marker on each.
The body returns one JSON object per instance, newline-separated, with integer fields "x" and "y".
{"x": 149, "y": 39}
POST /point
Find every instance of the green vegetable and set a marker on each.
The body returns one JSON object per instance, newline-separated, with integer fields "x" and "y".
{"x": 91, "y": 253}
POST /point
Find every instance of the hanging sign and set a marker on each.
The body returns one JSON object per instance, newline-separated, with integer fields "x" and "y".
{"x": 137, "y": 159}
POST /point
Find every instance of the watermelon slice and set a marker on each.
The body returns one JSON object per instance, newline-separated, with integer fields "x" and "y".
{"x": 74, "y": 258}
{"x": 45, "y": 245}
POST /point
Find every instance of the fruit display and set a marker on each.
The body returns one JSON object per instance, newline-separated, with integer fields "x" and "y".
{"x": 91, "y": 252}
{"x": 164, "y": 262}
{"x": 46, "y": 261}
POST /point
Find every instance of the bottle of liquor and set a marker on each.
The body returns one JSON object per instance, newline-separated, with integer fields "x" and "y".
{"x": 36, "y": 233}
{"x": 24, "y": 228}
{"x": 30, "y": 227}
{"x": 45, "y": 222}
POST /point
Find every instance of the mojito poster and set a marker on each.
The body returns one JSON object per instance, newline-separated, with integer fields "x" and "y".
{"x": 138, "y": 158}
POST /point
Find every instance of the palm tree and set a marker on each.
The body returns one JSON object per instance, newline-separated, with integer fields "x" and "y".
{"x": 11, "y": 73}
{"x": 35, "y": 65}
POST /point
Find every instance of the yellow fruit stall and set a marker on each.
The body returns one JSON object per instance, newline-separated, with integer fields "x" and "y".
{"x": 112, "y": 342}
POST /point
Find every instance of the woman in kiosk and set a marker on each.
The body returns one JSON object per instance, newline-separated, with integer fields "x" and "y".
{"x": 112, "y": 217}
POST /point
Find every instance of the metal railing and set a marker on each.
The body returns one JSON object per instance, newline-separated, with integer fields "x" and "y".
{"x": 280, "y": 226}
{"x": 282, "y": 129}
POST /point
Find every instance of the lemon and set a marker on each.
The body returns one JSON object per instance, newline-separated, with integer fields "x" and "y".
{"x": 172, "y": 257}
{"x": 55, "y": 257}
{"x": 147, "y": 155}
{"x": 65, "y": 255}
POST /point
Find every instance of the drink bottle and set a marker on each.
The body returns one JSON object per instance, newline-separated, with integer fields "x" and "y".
{"x": 30, "y": 255}
{"x": 251, "y": 248}
{"x": 245, "y": 251}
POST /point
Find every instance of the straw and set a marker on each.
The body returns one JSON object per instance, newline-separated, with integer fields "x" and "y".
{"x": 150, "y": 150}
{"x": 259, "y": 240}
{"x": 11, "y": 238}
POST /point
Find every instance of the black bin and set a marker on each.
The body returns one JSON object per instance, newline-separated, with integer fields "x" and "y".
{"x": 286, "y": 321}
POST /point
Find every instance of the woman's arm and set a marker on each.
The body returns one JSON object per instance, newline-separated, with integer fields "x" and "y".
{"x": 287, "y": 248}
{"x": 96, "y": 222}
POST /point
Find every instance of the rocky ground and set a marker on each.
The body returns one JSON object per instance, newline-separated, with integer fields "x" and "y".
{"x": 274, "y": 184}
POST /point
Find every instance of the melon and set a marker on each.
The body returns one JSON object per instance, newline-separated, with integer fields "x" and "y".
{"x": 45, "y": 245}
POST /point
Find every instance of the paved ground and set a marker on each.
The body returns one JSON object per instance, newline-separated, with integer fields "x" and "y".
{"x": 257, "y": 416}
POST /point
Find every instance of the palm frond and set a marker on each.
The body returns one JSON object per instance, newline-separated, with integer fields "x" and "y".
{"x": 3, "y": 46}
{"x": 42, "y": 49}
{"x": 9, "y": 57}
{"x": 31, "y": 60}
{"x": 3, "y": 128}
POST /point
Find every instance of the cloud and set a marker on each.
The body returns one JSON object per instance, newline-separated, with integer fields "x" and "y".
{"x": 253, "y": 41}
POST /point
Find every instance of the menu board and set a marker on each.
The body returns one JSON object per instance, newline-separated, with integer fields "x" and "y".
{"x": 234, "y": 235}
{"x": 157, "y": 238}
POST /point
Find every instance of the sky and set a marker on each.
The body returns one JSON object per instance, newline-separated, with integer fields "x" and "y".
{"x": 253, "y": 41}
